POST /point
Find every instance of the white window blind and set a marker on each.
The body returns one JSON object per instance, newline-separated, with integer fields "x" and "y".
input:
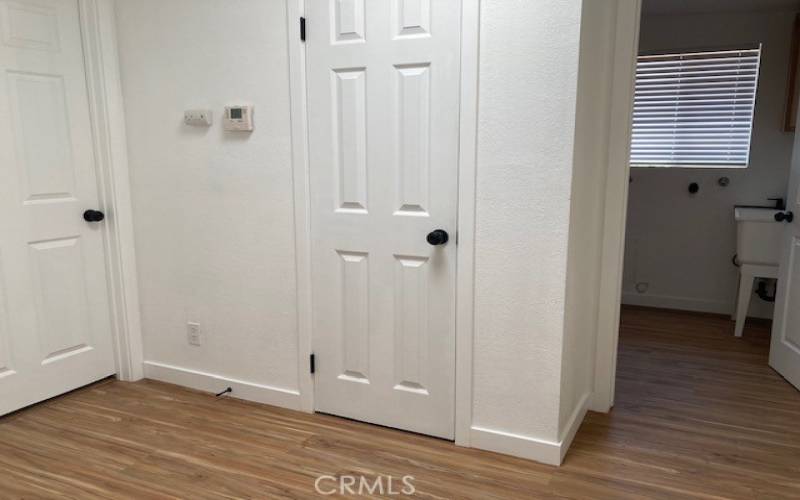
{"x": 695, "y": 109}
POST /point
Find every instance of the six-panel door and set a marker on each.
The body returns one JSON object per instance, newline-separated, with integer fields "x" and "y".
{"x": 383, "y": 99}
{"x": 54, "y": 318}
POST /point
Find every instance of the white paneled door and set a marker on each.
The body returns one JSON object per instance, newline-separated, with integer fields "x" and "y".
{"x": 784, "y": 354}
{"x": 54, "y": 318}
{"x": 383, "y": 105}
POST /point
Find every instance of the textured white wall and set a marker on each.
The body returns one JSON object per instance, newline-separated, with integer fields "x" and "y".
{"x": 598, "y": 30}
{"x": 681, "y": 245}
{"x": 213, "y": 210}
{"x": 528, "y": 78}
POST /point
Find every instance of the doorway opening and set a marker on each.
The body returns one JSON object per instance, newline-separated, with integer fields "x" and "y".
{"x": 709, "y": 231}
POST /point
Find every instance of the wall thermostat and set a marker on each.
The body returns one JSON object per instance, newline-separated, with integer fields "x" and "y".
{"x": 239, "y": 118}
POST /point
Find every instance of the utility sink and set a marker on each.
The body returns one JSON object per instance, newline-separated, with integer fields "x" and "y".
{"x": 758, "y": 236}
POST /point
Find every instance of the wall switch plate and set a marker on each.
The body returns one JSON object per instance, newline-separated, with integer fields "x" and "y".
{"x": 193, "y": 334}
{"x": 198, "y": 117}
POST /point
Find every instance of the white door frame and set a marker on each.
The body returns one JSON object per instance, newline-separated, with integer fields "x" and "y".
{"x": 616, "y": 203}
{"x": 470, "y": 26}
{"x": 106, "y": 110}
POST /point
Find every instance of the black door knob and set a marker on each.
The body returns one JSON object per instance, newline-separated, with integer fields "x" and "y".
{"x": 93, "y": 216}
{"x": 438, "y": 237}
{"x": 784, "y": 217}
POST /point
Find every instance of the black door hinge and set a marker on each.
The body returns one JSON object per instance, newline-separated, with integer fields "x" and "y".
{"x": 303, "y": 29}
{"x": 312, "y": 364}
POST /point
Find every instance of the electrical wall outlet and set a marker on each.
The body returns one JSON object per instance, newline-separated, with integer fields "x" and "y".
{"x": 193, "y": 334}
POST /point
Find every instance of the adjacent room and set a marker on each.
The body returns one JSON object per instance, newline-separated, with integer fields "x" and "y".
{"x": 694, "y": 163}
{"x": 412, "y": 248}
{"x": 707, "y": 334}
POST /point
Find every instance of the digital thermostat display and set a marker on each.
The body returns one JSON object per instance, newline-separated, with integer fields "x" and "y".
{"x": 239, "y": 118}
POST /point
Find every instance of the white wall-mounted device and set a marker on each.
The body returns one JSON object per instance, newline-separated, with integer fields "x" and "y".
{"x": 239, "y": 118}
{"x": 198, "y": 117}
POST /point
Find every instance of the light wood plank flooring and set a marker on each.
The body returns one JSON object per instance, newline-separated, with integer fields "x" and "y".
{"x": 699, "y": 415}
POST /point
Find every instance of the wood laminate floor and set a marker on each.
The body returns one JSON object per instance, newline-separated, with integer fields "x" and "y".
{"x": 699, "y": 415}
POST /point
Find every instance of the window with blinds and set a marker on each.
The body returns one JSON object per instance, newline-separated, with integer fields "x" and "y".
{"x": 695, "y": 109}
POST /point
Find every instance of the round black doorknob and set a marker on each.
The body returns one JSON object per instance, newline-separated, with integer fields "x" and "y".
{"x": 438, "y": 237}
{"x": 93, "y": 216}
{"x": 784, "y": 217}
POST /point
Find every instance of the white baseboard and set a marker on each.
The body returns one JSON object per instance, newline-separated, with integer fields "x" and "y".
{"x": 208, "y": 382}
{"x": 539, "y": 450}
{"x": 573, "y": 424}
{"x": 546, "y": 452}
{"x": 694, "y": 305}
{"x": 678, "y": 303}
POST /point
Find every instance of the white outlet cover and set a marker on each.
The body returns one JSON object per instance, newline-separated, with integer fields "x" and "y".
{"x": 193, "y": 334}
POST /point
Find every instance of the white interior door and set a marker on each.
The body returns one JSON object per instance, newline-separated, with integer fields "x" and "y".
{"x": 784, "y": 354}
{"x": 383, "y": 104}
{"x": 54, "y": 320}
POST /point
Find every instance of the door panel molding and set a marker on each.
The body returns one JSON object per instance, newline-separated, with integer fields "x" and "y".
{"x": 350, "y": 132}
{"x": 60, "y": 296}
{"x": 106, "y": 110}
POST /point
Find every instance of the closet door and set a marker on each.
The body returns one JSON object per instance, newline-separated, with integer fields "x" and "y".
{"x": 383, "y": 99}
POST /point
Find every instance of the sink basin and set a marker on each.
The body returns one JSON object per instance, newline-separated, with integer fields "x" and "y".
{"x": 758, "y": 236}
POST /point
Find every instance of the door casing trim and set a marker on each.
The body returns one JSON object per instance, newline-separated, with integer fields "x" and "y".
{"x": 468, "y": 125}
{"x": 298, "y": 115}
{"x": 106, "y": 109}
{"x": 616, "y": 203}
{"x": 467, "y": 184}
